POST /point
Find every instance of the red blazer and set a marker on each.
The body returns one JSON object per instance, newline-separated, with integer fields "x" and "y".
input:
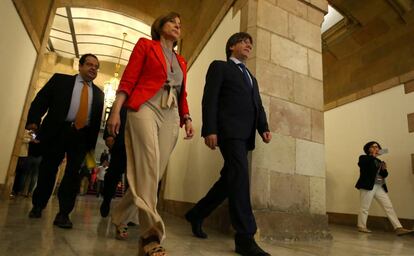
{"x": 146, "y": 73}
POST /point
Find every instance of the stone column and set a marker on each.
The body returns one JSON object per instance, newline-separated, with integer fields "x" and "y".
{"x": 288, "y": 175}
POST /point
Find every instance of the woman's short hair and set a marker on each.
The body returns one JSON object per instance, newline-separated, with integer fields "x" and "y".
{"x": 156, "y": 27}
{"x": 369, "y": 144}
{"x": 235, "y": 39}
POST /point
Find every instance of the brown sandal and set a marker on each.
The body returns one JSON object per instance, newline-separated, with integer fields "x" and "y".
{"x": 121, "y": 232}
{"x": 151, "y": 247}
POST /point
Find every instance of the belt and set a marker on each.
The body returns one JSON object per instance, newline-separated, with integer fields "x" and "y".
{"x": 72, "y": 125}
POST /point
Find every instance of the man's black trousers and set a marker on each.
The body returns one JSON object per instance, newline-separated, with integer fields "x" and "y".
{"x": 69, "y": 142}
{"x": 234, "y": 185}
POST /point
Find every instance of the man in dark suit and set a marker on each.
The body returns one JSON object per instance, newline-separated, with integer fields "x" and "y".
{"x": 71, "y": 126}
{"x": 117, "y": 165}
{"x": 232, "y": 112}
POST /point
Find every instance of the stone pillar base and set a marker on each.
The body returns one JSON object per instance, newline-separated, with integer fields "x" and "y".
{"x": 274, "y": 225}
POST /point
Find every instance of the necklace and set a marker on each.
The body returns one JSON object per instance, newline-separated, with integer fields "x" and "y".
{"x": 170, "y": 60}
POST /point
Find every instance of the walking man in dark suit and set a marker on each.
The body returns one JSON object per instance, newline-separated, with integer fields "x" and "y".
{"x": 117, "y": 165}
{"x": 232, "y": 112}
{"x": 74, "y": 109}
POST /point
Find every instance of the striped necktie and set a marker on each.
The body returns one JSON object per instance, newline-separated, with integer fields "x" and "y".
{"x": 82, "y": 115}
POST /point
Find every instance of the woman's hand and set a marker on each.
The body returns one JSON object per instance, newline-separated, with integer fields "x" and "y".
{"x": 114, "y": 119}
{"x": 189, "y": 131}
{"x": 113, "y": 124}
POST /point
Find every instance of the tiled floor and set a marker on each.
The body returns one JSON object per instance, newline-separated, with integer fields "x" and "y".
{"x": 93, "y": 235}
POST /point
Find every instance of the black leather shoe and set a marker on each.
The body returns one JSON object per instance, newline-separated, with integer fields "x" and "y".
{"x": 62, "y": 221}
{"x": 249, "y": 247}
{"x": 196, "y": 225}
{"x": 105, "y": 206}
{"x": 36, "y": 212}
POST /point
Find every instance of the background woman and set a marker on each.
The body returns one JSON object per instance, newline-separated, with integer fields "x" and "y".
{"x": 371, "y": 184}
{"x": 153, "y": 88}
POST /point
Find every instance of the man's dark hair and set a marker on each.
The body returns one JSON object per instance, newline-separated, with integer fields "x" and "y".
{"x": 235, "y": 39}
{"x": 156, "y": 27}
{"x": 83, "y": 58}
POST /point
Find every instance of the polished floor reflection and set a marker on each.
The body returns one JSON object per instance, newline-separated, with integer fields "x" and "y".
{"x": 93, "y": 235}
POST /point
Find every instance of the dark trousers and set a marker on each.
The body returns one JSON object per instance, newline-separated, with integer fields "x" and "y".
{"x": 73, "y": 143}
{"x": 30, "y": 181}
{"x": 115, "y": 170}
{"x": 234, "y": 185}
{"x": 21, "y": 170}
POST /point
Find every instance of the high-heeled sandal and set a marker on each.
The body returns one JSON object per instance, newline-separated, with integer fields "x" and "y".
{"x": 121, "y": 232}
{"x": 151, "y": 247}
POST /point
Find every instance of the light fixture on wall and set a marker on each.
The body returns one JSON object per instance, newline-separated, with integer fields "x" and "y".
{"x": 111, "y": 86}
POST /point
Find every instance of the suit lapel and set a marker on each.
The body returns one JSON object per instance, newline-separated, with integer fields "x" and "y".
{"x": 237, "y": 70}
{"x": 160, "y": 55}
{"x": 95, "y": 104}
{"x": 94, "y": 97}
{"x": 253, "y": 80}
{"x": 69, "y": 85}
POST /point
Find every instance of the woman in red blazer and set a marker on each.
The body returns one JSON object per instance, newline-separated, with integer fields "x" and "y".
{"x": 153, "y": 88}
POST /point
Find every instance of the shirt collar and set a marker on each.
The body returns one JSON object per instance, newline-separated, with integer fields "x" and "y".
{"x": 235, "y": 60}
{"x": 79, "y": 79}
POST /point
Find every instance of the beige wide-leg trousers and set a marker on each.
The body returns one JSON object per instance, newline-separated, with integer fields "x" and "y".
{"x": 150, "y": 137}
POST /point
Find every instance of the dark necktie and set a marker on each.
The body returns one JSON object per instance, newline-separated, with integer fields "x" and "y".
{"x": 245, "y": 75}
{"x": 82, "y": 115}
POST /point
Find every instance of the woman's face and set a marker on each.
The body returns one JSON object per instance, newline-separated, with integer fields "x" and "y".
{"x": 374, "y": 149}
{"x": 171, "y": 29}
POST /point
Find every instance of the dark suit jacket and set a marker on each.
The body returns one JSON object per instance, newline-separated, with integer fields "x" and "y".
{"x": 231, "y": 109}
{"x": 368, "y": 171}
{"x": 54, "y": 98}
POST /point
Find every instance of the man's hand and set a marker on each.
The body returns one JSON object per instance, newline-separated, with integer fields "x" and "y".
{"x": 109, "y": 141}
{"x": 267, "y": 137}
{"x": 32, "y": 127}
{"x": 189, "y": 131}
{"x": 211, "y": 141}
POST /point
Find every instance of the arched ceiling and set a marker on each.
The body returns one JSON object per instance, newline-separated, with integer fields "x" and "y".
{"x": 76, "y": 31}
{"x": 198, "y": 17}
